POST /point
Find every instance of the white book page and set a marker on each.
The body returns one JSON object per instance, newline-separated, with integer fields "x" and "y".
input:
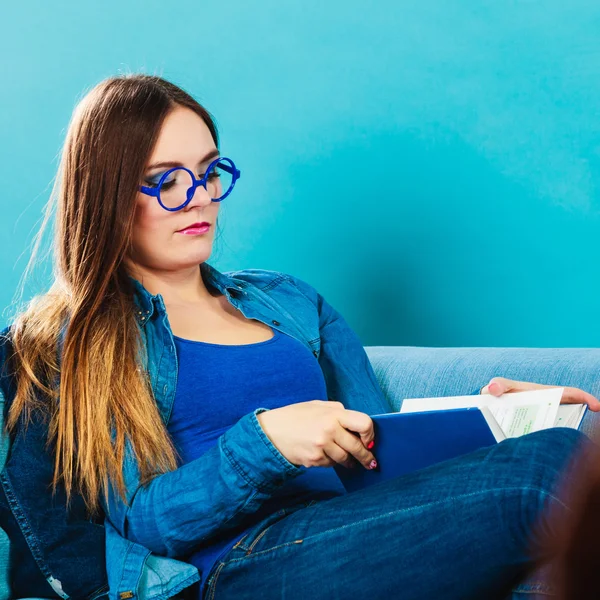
{"x": 517, "y": 414}
{"x": 517, "y": 419}
{"x": 492, "y": 423}
{"x": 570, "y": 415}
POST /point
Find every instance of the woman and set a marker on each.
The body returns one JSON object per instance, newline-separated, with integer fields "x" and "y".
{"x": 197, "y": 414}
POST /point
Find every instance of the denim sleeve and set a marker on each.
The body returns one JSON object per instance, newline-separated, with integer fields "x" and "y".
{"x": 178, "y": 510}
{"x": 348, "y": 372}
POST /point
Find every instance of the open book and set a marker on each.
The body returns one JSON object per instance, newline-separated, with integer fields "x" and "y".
{"x": 510, "y": 415}
{"x": 428, "y": 431}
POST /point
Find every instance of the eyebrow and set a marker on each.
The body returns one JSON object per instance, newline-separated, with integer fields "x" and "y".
{"x": 212, "y": 154}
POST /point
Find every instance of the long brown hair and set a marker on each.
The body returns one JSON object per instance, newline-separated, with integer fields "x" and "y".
{"x": 93, "y": 393}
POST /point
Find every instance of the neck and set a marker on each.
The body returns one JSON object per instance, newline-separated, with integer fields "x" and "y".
{"x": 185, "y": 286}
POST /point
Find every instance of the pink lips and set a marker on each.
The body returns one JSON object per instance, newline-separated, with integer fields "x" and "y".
{"x": 195, "y": 229}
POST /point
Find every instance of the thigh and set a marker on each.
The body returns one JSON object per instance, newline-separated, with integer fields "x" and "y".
{"x": 459, "y": 529}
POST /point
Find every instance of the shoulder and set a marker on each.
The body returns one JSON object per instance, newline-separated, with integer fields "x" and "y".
{"x": 270, "y": 280}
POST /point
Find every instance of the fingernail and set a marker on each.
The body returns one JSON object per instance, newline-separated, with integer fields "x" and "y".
{"x": 370, "y": 444}
{"x": 373, "y": 464}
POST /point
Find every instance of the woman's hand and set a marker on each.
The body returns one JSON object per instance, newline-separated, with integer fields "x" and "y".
{"x": 499, "y": 385}
{"x": 315, "y": 433}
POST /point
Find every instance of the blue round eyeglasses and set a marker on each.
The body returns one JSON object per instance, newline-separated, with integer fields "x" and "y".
{"x": 175, "y": 188}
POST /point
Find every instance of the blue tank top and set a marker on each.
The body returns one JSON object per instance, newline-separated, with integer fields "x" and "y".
{"x": 217, "y": 384}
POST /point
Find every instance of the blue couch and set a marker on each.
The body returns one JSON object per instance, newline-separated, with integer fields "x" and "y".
{"x": 412, "y": 372}
{"x": 409, "y": 372}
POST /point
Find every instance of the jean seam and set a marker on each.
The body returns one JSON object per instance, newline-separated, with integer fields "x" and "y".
{"x": 213, "y": 583}
{"x": 240, "y": 543}
{"x": 236, "y": 467}
{"x": 25, "y": 527}
{"x": 403, "y": 510}
{"x": 98, "y": 593}
{"x": 124, "y": 562}
{"x": 290, "y": 468}
{"x": 273, "y": 283}
{"x": 537, "y": 592}
{"x": 258, "y": 537}
{"x": 247, "y": 547}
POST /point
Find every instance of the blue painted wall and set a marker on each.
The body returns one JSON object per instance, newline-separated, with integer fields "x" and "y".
{"x": 431, "y": 167}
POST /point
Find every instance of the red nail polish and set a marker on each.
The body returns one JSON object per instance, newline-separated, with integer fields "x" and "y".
{"x": 373, "y": 464}
{"x": 370, "y": 444}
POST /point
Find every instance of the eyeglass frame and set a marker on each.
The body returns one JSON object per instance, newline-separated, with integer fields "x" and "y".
{"x": 155, "y": 191}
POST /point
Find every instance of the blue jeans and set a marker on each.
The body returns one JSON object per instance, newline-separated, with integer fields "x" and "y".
{"x": 470, "y": 527}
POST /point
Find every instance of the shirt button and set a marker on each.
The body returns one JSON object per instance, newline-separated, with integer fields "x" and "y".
{"x": 276, "y": 322}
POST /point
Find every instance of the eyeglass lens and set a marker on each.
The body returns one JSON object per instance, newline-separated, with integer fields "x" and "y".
{"x": 178, "y": 186}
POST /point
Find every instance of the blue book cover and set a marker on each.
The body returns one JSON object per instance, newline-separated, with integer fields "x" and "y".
{"x": 406, "y": 442}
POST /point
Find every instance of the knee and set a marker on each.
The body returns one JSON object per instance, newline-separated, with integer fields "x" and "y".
{"x": 557, "y": 455}
{"x": 558, "y": 443}
{"x": 547, "y": 467}
{"x": 542, "y": 457}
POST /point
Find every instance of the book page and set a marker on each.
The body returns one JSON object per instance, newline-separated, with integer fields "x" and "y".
{"x": 570, "y": 415}
{"x": 520, "y": 420}
{"x": 517, "y": 413}
{"x": 492, "y": 423}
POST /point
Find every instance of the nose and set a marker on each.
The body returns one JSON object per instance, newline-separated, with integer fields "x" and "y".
{"x": 201, "y": 198}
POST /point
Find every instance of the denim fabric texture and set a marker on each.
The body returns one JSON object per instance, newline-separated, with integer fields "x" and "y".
{"x": 457, "y": 530}
{"x": 50, "y": 547}
{"x": 4, "y": 539}
{"x": 144, "y": 537}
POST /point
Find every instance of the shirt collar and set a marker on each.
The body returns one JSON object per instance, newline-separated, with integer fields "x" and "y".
{"x": 146, "y": 302}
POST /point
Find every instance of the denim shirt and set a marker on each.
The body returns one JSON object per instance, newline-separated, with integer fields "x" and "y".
{"x": 177, "y": 510}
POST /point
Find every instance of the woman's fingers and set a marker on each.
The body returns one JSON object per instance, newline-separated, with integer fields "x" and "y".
{"x": 500, "y": 385}
{"x": 337, "y": 455}
{"x": 576, "y": 396}
{"x": 358, "y": 422}
{"x": 352, "y": 444}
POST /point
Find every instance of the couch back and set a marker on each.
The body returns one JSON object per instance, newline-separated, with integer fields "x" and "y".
{"x": 416, "y": 372}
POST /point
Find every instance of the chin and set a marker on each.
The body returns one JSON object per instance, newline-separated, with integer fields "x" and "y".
{"x": 195, "y": 258}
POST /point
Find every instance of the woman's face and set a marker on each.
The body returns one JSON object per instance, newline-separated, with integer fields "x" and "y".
{"x": 158, "y": 243}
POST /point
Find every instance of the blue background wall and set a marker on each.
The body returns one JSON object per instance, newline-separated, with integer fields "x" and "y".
{"x": 431, "y": 167}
